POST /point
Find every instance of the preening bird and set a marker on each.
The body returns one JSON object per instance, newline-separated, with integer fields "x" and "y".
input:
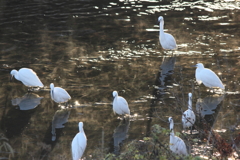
{"x": 188, "y": 117}
{"x": 120, "y": 105}
{"x": 207, "y": 77}
{"x": 27, "y": 76}
{"x": 167, "y": 41}
{"x": 58, "y": 94}
{"x": 177, "y": 145}
{"x": 79, "y": 143}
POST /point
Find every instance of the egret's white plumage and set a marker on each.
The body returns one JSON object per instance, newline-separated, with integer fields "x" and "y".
{"x": 177, "y": 145}
{"x": 188, "y": 117}
{"x": 207, "y": 77}
{"x": 79, "y": 143}
{"x": 167, "y": 41}
{"x": 120, "y": 105}
{"x": 59, "y": 95}
{"x": 27, "y": 76}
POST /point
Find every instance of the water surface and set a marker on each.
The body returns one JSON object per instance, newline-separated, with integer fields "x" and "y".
{"x": 91, "y": 48}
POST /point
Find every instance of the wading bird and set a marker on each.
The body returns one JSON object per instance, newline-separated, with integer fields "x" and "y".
{"x": 120, "y": 105}
{"x": 58, "y": 94}
{"x": 27, "y": 76}
{"x": 177, "y": 145}
{"x": 207, "y": 77}
{"x": 79, "y": 143}
{"x": 167, "y": 41}
{"x": 188, "y": 117}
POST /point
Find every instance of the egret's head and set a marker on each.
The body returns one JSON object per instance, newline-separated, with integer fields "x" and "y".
{"x": 160, "y": 19}
{"x": 80, "y": 125}
{"x": 115, "y": 93}
{"x": 51, "y": 85}
{"x": 199, "y": 65}
{"x": 190, "y": 95}
{"x": 13, "y": 73}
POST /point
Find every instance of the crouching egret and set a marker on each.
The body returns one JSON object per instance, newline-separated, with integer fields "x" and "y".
{"x": 59, "y": 95}
{"x": 79, "y": 143}
{"x": 27, "y": 76}
{"x": 188, "y": 117}
{"x": 167, "y": 41}
{"x": 120, "y": 105}
{"x": 207, "y": 77}
{"x": 177, "y": 145}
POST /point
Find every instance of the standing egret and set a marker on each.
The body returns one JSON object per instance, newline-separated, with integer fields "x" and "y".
{"x": 207, "y": 77}
{"x": 167, "y": 41}
{"x": 27, "y": 76}
{"x": 79, "y": 143}
{"x": 177, "y": 145}
{"x": 120, "y": 105}
{"x": 59, "y": 95}
{"x": 188, "y": 117}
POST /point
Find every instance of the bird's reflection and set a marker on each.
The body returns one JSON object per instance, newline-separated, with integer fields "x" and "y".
{"x": 120, "y": 134}
{"x": 27, "y": 102}
{"x": 164, "y": 75}
{"x": 166, "y": 69}
{"x": 208, "y": 105}
{"x": 59, "y": 119}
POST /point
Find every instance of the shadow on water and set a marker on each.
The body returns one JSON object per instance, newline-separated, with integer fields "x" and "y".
{"x": 120, "y": 134}
{"x": 15, "y": 121}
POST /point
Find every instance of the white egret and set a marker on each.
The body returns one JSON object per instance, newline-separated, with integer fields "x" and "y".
{"x": 27, "y": 76}
{"x": 59, "y": 95}
{"x": 120, "y": 105}
{"x": 79, "y": 143}
{"x": 167, "y": 41}
{"x": 177, "y": 145}
{"x": 188, "y": 117}
{"x": 207, "y": 77}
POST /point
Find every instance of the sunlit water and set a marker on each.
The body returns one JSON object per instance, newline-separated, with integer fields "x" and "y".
{"x": 91, "y": 48}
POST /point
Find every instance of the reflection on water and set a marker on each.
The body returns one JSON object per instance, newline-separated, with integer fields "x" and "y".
{"x": 208, "y": 105}
{"x": 166, "y": 69}
{"x": 91, "y": 48}
{"x": 27, "y": 102}
{"x": 120, "y": 134}
{"x": 59, "y": 119}
{"x": 5, "y": 148}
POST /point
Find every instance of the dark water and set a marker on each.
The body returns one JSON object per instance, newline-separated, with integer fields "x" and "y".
{"x": 91, "y": 48}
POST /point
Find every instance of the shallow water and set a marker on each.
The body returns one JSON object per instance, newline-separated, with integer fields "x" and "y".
{"x": 91, "y": 48}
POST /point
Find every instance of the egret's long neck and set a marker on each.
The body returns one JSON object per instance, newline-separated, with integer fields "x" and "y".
{"x": 161, "y": 27}
{"x": 190, "y": 103}
{"x": 16, "y": 76}
{"x": 171, "y": 129}
{"x": 81, "y": 129}
{"x": 172, "y": 136}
